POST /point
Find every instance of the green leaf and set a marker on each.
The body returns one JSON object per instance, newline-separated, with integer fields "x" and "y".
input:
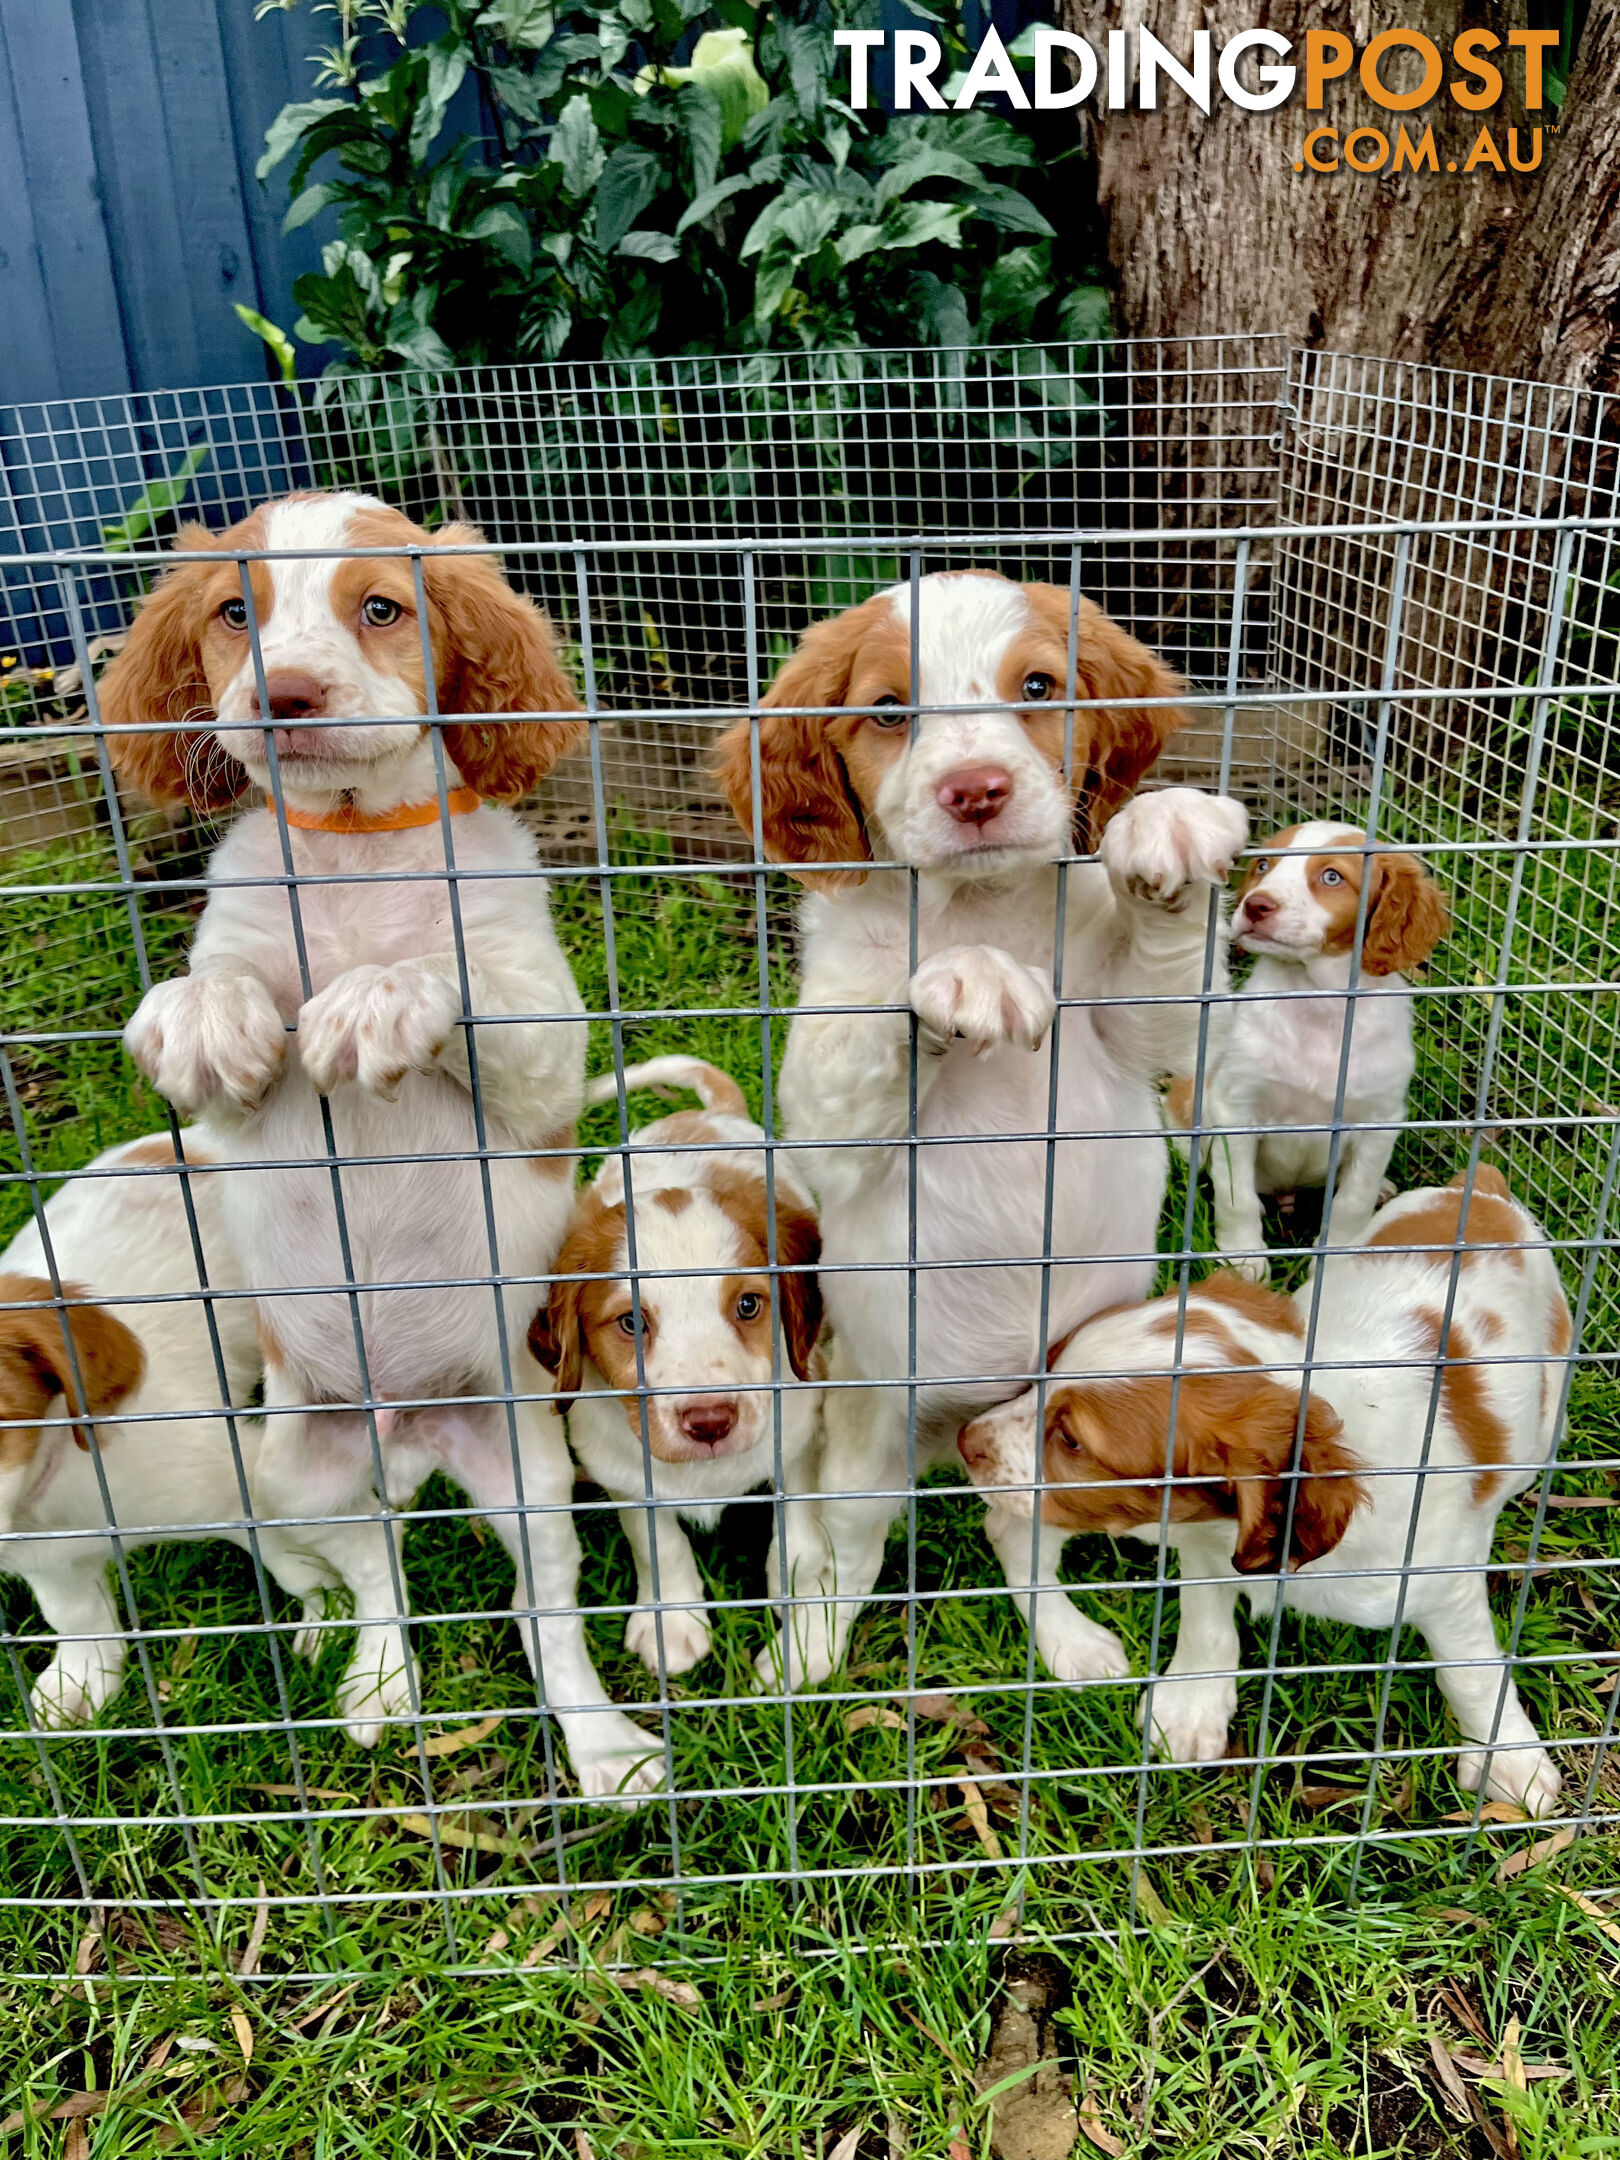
{"x": 1086, "y": 314}
{"x": 916, "y": 224}
{"x": 521, "y": 93}
{"x": 413, "y": 337}
{"x": 445, "y": 69}
{"x": 1010, "y": 210}
{"x": 658, "y": 247}
{"x": 276, "y": 338}
{"x": 506, "y": 232}
{"x": 943, "y": 310}
{"x": 920, "y": 165}
{"x": 630, "y": 180}
{"x": 339, "y": 256}
{"x": 979, "y": 136}
{"x": 287, "y": 128}
{"x": 576, "y": 145}
{"x": 310, "y": 204}
{"x": 709, "y": 201}
{"x": 703, "y": 124}
{"x": 524, "y": 25}
{"x": 155, "y": 501}
{"x": 1014, "y": 286}
{"x": 772, "y": 283}
{"x": 858, "y": 241}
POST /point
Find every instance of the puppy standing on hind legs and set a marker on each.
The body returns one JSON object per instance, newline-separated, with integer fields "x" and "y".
{"x": 381, "y": 1035}
{"x": 978, "y": 803}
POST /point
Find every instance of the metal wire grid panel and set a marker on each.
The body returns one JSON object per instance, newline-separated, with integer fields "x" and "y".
{"x": 1275, "y": 535}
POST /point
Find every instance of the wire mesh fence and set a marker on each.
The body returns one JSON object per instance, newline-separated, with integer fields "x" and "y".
{"x": 1389, "y": 591}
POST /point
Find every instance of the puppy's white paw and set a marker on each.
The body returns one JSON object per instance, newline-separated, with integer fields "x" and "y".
{"x": 1071, "y": 1647}
{"x": 1250, "y": 1265}
{"x": 617, "y": 1760}
{"x": 310, "y": 1640}
{"x": 371, "y": 1693}
{"x": 1162, "y": 847}
{"x": 74, "y": 1687}
{"x": 201, "y": 1037}
{"x": 373, "y": 1025}
{"x": 984, "y": 995}
{"x": 1191, "y": 1718}
{"x": 803, "y": 1655}
{"x": 1524, "y": 1776}
{"x": 687, "y": 1639}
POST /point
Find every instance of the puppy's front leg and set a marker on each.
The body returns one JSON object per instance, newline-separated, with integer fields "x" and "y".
{"x": 1168, "y": 856}
{"x": 213, "y": 1041}
{"x": 678, "y": 1603}
{"x": 88, "y": 1664}
{"x": 1070, "y": 1646}
{"x": 1196, "y": 1700}
{"x": 1364, "y": 1157}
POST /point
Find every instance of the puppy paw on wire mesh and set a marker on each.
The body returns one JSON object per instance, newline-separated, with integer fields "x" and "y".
{"x": 1161, "y": 847}
{"x": 984, "y": 996}
{"x": 373, "y": 1025}
{"x": 209, "y": 1041}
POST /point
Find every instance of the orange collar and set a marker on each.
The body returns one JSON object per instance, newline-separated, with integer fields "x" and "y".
{"x": 459, "y": 802}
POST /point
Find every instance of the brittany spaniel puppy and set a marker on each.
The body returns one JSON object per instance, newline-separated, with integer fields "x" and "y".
{"x": 975, "y": 798}
{"x": 118, "y": 1238}
{"x": 692, "y": 1358}
{"x": 341, "y": 999}
{"x": 1103, "y": 1456}
{"x": 1275, "y": 1054}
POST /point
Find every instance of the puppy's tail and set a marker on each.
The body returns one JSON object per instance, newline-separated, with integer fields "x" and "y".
{"x": 715, "y": 1089}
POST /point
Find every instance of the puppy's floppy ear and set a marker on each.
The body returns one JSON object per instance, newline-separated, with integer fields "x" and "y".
{"x": 109, "y": 1357}
{"x": 500, "y": 655}
{"x": 1240, "y": 1428}
{"x": 1114, "y": 747}
{"x": 809, "y": 811}
{"x": 798, "y": 1245}
{"x": 1407, "y": 919}
{"x": 157, "y": 682}
{"x": 557, "y": 1337}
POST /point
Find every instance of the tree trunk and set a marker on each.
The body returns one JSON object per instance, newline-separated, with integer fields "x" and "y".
{"x": 1211, "y": 229}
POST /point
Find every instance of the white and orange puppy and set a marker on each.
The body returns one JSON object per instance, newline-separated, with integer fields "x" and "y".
{"x": 1099, "y": 1461}
{"x": 976, "y": 800}
{"x": 143, "y": 1360}
{"x": 1275, "y": 1054}
{"x": 349, "y": 988}
{"x": 676, "y": 1336}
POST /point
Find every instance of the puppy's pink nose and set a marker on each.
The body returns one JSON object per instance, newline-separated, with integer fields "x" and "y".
{"x": 974, "y": 794}
{"x": 710, "y": 1421}
{"x": 293, "y": 695}
{"x": 1259, "y": 906}
{"x": 971, "y": 1444}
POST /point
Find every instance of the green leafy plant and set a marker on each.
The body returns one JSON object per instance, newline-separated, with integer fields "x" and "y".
{"x": 655, "y": 176}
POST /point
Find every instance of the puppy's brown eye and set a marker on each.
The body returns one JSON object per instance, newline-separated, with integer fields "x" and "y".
{"x": 627, "y": 1323}
{"x": 1069, "y": 1444}
{"x": 889, "y": 713}
{"x": 234, "y": 615}
{"x": 380, "y": 612}
{"x": 750, "y": 1305}
{"x": 1260, "y": 865}
{"x": 1037, "y": 688}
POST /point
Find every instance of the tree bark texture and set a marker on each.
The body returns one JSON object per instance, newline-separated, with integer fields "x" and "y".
{"x": 1211, "y": 231}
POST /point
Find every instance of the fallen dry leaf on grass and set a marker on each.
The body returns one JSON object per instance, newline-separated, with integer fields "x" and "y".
{"x": 845, "y": 2148}
{"x": 979, "y": 1817}
{"x": 1094, "y": 2129}
{"x": 450, "y": 1833}
{"x": 69, "y": 2110}
{"x": 870, "y": 1714}
{"x": 76, "y": 2145}
{"x": 1532, "y": 1855}
{"x": 946, "y": 1710}
{"x": 313, "y": 1792}
{"x": 242, "y": 2026}
{"x": 583, "y": 2148}
{"x": 1325, "y": 1796}
{"x": 1596, "y": 1913}
{"x": 1492, "y": 1811}
{"x": 1452, "y": 2087}
{"x": 248, "y": 1964}
{"x": 778, "y": 2001}
{"x": 1004, "y": 1927}
{"x": 679, "y": 1992}
{"x": 452, "y": 1743}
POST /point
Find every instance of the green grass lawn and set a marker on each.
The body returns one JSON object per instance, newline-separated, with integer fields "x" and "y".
{"x": 1253, "y": 1988}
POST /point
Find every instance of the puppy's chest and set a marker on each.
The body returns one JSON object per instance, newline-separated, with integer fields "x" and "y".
{"x": 1297, "y": 1047}
{"x": 350, "y": 926}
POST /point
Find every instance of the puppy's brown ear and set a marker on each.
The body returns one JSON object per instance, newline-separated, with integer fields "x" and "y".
{"x": 798, "y": 1245}
{"x": 809, "y": 811}
{"x": 1407, "y": 919}
{"x": 110, "y": 1359}
{"x": 1242, "y": 1429}
{"x": 557, "y": 1337}
{"x": 1115, "y": 746}
{"x": 499, "y": 654}
{"x": 157, "y": 682}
